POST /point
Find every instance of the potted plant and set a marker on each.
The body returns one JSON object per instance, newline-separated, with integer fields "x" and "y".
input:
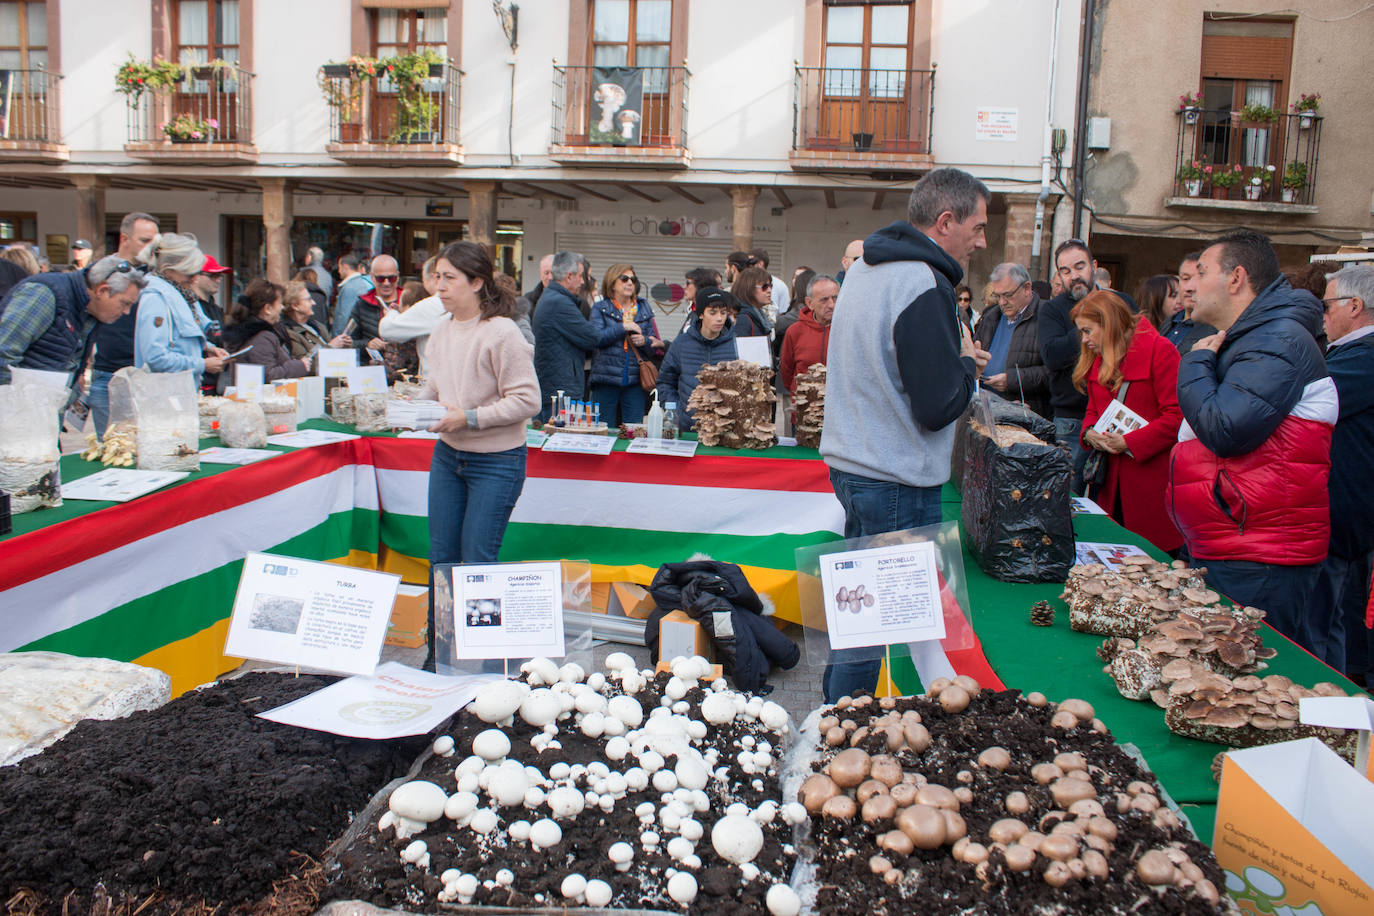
{"x": 1294, "y": 180}
{"x": 135, "y": 77}
{"x": 187, "y": 128}
{"x": 1191, "y": 174}
{"x": 417, "y": 109}
{"x": 344, "y": 86}
{"x": 1190, "y": 105}
{"x": 212, "y": 70}
{"x": 1306, "y": 108}
{"x": 1223, "y": 180}
{"x": 1257, "y": 114}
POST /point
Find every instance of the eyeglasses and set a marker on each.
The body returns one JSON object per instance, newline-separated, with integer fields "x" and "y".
{"x": 379, "y": 278}
{"x": 1004, "y": 297}
{"x": 1326, "y": 303}
{"x": 626, "y": 277}
{"x": 965, "y": 299}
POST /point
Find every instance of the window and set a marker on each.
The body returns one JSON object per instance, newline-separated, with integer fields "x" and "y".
{"x": 867, "y": 49}
{"x": 1244, "y": 62}
{"x": 406, "y": 31}
{"x": 23, "y": 35}
{"x": 634, "y": 33}
{"x": 206, "y": 30}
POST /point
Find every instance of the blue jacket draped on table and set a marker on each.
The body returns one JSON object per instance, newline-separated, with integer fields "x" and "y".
{"x": 170, "y": 335}
{"x": 689, "y": 351}
{"x": 613, "y": 363}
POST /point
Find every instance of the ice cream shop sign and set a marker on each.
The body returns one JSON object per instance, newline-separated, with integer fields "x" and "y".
{"x": 682, "y": 227}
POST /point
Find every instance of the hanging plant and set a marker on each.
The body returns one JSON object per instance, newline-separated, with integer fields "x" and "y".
{"x": 343, "y": 84}
{"x": 417, "y": 107}
{"x": 136, "y": 77}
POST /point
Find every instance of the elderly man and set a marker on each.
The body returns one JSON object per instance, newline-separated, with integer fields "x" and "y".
{"x": 81, "y": 254}
{"x": 901, "y": 370}
{"x": 852, "y": 252}
{"x": 46, "y": 320}
{"x": 808, "y": 340}
{"x": 1182, "y": 331}
{"x": 1010, "y": 335}
{"x": 384, "y": 296}
{"x": 1337, "y": 608}
{"x": 545, "y": 278}
{"x": 562, "y": 334}
{"x": 114, "y": 343}
{"x": 1248, "y": 477}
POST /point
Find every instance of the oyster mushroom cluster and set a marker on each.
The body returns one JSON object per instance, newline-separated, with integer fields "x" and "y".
{"x": 1244, "y": 711}
{"x": 732, "y": 405}
{"x": 1028, "y": 801}
{"x": 809, "y": 404}
{"x": 1007, "y": 434}
{"x": 1128, "y": 600}
{"x": 1213, "y": 639}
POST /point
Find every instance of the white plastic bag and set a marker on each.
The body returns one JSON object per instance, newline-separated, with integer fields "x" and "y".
{"x": 166, "y": 409}
{"x": 242, "y": 425}
{"x": 281, "y": 414}
{"x": 30, "y": 423}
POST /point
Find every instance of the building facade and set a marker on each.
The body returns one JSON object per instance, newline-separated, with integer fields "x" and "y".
{"x": 791, "y": 125}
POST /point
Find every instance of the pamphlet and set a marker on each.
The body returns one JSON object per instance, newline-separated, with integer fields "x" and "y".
{"x": 1119, "y": 419}
{"x": 677, "y": 448}
{"x": 367, "y": 380}
{"x": 317, "y": 615}
{"x": 508, "y": 610}
{"x": 394, "y": 702}
{"x": 1081, "y": 505}
{"x": 580, "y": 443}
{"x": 755, "y": 350}
{"x": 1108, "y": 555}
{"x": 248, "y": 382}
{"x": 305, "y": 438}
{"x": 401, "y": 414}
{"x": 119, "y": 485}
{"x": 334, "y": 363}
{"x": 882, "y": 595}
{"x": 220, "y": 455}
{"x": 535, "y": 438}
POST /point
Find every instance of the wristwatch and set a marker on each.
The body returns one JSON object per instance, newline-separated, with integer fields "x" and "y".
{"x": 472, "y": 417}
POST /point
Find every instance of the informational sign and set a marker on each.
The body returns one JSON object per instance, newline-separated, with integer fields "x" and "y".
{"x": 508, "y": 610}
{"x": 220, "y": 455}
{"x": 1109, "y": 555}
{"x": 755, "y": 350}
{"x": 119, "y": 485}
{"x": 676, "y": 448}
{"x": 248, "y": 382}
{"x": 395, "y": 702}
{"x": 882, "y": 595}
{"x": 332, "y": 363}
{"x": 367, "y": 380}
{"x": 316, "y": 615}
{"x": 996, "y": 124}
{"x": 307, "y": 438}
{"x": 580, "y": 443}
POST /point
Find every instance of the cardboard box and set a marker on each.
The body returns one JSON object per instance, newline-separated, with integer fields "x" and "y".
{"x": 409, "y": 625}
{"x": 1293, "y": 830}
{"x": 679, "y": 634}
{"x": 630, "y": 600}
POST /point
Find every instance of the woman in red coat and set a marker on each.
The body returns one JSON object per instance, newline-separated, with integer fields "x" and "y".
{"x": 1121, "y": 348}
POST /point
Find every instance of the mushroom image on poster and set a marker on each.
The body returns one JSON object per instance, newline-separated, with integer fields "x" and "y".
{"x": 617, "y": 103}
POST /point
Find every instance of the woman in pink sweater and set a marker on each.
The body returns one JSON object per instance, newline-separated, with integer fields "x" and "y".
{"x": 482, "y": 370}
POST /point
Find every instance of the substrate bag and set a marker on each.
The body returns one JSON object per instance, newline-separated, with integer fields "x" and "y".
{"x": 167, "y": 412}
{"x": 242, "y": 425}
{"x": 1016, "y": 512}
{"x": 30, "y": 425}
{"x": 1001, "y": 411}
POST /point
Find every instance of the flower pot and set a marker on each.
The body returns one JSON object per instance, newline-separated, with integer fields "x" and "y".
{"x": 863, "y": 141}
{"x": 1288, "y": 195}
{"x": 1190, "y": 115}
{"x": 337, "y": 71}
{"x": 350, "y": 133}
{"x": 1193, "y": 187}
{"x": 436, "y": 70}
{"x": 1220, "y": 193}
{"x": 418, "y": 136}
{"x": 1253, "y": 192}
{"x": 1305, "y": 121}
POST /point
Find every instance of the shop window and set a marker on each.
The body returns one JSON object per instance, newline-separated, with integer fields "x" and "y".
{"x": 18, "y": 227}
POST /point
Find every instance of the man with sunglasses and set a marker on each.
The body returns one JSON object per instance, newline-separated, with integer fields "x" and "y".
{"x": 384, "y": 297}
{"x": 46, "y": 320}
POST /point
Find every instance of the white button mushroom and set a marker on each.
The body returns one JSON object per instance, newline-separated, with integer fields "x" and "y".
{"x": 691, "y": 773}
{"x": 682, "y": 887}
{"x": 737, "y": 839}
{"x": 414, "y": 852}
{"x": 773, "y": 716}
{"x": 509, "y": 785}
{"x": 491, "y": 744}
{"x": 545, "y": 834}
{"x": 718, "y": 709}
{"x": 540, "y": 671}
{"x": 565, "y": 802}
{"x": 598, "y": 892}
{"x": 572, "y": 673}
{"x": 484, "y": 821}
{"x": 680, "y": 847}
{"x": 519, "y": 831}
{"x": 627, "y": 710}
{"x": 443, "y": 746}
{"x": 619, "y": 661}
{"x": 573, "y": 886}
{"x": 498, "y": 700}
{"x": 460, "y": 806}
{"x": 541, "y": 707}
{"x": 691, "y": 830}
{"x": 505, "y": 877}
{"x": 622, "y": 854}
{"x": 782, "y": 901}
{"x": 418, "y": 800}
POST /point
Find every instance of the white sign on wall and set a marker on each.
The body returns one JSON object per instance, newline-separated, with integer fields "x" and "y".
{"x": 997, "y": 124}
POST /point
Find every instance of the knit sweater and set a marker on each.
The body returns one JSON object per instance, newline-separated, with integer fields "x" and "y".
{"x": 487, "y": 365}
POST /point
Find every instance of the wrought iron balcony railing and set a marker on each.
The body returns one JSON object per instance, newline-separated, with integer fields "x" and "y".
{"x": 1281, "y": 154}
{"x": 863, "y": 110}
{"x": 213, "y": 103}
{"x": 33, "y": 112}
{"x": 620, "y": 106}
{"x": 372, "y": 111}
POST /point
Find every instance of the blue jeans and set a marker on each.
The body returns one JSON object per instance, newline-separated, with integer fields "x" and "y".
{"x": 1067, "y": 430}
{"x": 872, "y": 507}
{"x": 629, "y": 398}
{"x": 98, "y": 399}
{"x": 471, "y": 495}
{"x": 1283, "y": 592}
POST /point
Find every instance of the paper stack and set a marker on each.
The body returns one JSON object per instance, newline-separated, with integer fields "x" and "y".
{"x": 414, "y": 414}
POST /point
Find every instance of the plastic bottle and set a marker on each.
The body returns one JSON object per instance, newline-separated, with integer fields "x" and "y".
{"x": 653, "y": 422}
{"x": 670, "y": 427}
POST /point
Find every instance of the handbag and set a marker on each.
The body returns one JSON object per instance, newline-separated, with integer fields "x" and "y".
{"x": 648, "y": 372}
{"x": 1095, "y": 466}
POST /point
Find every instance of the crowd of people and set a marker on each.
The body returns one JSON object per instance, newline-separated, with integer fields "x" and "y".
{"x": 1222, "y": 412}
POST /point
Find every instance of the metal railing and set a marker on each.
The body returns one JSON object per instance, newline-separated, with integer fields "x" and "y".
{"x": 1216, "y": 141}
{"x": 862, "y": 110}
{"x": 34, "y": 113}
{"x": 373, "y": 111}
{"x": 587, "y": 114}
{"x": 216, "y": 100}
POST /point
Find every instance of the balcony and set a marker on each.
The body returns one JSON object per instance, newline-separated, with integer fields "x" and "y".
{"x": 620, "y": 116}
{"x": 372, "y": 123}
{"x": 1221, "y": 140}
{"x": 213, "y": 101}
{"x": 862, "y": 120}
{"x": 33, "y": 133}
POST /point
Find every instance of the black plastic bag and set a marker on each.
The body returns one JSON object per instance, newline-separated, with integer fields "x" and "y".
{"x": 1013, "y": 413}
{"x": 1016, "y": 511}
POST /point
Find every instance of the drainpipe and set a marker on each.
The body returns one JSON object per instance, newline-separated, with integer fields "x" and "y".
{"x": 1080, "y": 128}
{"x": 1046, "y": 151}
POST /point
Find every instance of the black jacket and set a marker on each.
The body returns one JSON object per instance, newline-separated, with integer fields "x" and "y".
{"x": 1352, "y": 448}
{"x": 1027, "y": 378}
{"x": 718, "y": 596}
{"x": 1059, "y": 348}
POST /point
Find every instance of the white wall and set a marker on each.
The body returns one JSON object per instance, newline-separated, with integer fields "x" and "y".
{"x": 96, "y": 39}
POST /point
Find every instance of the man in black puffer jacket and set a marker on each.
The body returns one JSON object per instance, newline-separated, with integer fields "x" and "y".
{"x": 719, "y": 597}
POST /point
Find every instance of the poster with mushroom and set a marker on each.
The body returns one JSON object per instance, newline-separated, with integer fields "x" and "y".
{"x": 882, "y": 595}
{"x": 617, "y": 105}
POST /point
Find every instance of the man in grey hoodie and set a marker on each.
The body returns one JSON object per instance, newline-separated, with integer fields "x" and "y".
{"x": 901, "y": 369}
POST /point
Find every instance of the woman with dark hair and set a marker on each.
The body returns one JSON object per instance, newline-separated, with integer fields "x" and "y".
{"x": 254, "y": 320}
{"x": 1124, "y": 359}
{"x": 629, "y": 335}
{"x": 963, "y": 300}
{"x": 1157, "y": 297}
{"x": 482, "y": 370}
{"x": 753, "y": 288}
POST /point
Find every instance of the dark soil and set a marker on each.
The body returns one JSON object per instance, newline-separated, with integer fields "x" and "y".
{"x": 371, "y": 868}
{"x": 197, "y": 805}
{"x": 938, "y": 884}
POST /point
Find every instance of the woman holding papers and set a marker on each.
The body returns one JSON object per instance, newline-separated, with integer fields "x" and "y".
{"x": 1130, "y": 375}
{"x": 254, "y": 320}
{"x": 306, "y": 333}
{"x": 482, "y": 370}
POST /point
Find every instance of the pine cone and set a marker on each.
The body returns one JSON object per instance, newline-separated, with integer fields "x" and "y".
{"x": 1041, "y": 614}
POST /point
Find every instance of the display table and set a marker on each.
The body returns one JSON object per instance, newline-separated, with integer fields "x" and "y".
{"x": 153, "y": 580}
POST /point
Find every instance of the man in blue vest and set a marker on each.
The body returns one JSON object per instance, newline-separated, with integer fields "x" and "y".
{"x": 46, "y": 320}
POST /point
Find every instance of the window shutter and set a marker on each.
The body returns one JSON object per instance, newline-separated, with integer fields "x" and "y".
{"x": 1246, "y": 57}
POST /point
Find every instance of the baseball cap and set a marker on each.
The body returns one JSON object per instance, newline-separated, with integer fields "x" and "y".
{"x": 214, "y": 267}
{"x": 81, "y": 243}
